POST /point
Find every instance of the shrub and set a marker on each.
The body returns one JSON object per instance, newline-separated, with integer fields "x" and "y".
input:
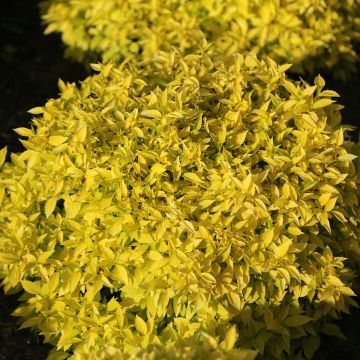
{"x": 310, "y": 34}
{"x": 178, "y": 195}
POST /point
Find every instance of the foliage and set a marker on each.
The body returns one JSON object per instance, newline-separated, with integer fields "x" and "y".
{"x": 311, "y": 34}
{"x": 207, "y": 347}
{"x": 179, "y": 195}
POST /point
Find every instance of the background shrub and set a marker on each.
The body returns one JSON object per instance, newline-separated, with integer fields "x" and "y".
{"x": 310, "y": 34}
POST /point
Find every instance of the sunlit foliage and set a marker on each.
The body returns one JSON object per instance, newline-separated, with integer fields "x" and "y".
{"x": 164, "y": 198}
{"x": 312, "y": 34}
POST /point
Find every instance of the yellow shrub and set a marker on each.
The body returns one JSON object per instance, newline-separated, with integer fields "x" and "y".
{"x": 311, "y": 34}
{"x": 179, "y": 195}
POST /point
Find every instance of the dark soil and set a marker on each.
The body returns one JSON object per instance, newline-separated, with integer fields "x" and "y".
{"x": 30, "y": 65}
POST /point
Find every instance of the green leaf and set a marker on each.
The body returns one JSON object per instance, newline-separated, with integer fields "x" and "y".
{"x": 297, "y": 320}
{"x": 311, "y": 344}
{"x": 332, "y": 330}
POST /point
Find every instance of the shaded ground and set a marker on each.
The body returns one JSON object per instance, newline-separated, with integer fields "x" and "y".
{"x": 30, "y": 65}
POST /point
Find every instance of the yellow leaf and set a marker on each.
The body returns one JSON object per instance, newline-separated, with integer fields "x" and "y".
{"x": 81, "y": 134}
{"x": 294, "y": 272}
{"x": 154, "y": 255}
{"x": 24, "y": 131}
{"x": 192, "y": 177}
{"x": 106, "y": 281}
{"x": 44, "y": 256}
{"x": 112, "y": 305}
{"x": 140, "y": 325}
{"x": 346, "y": 291}
{"x": 230, "y": 338}
{"x": 234, "y": 300}
{"x": 3, "y": 152}
{"x": 267, "y": 237}
{"x": 285, "y": 274}
{"x": 30, "y": 287}
{"x": 319, "y": 81}
{"x": 53, "y": 282}
{"x": 284, "y": 67}
{"x": 281, "y": 250}
{"x": 330, "y": 204}
{"x": 107, "y": 69}
{"x": 36, "y": 110}
{"x": 74, "y": 281}
{"x": 208, "y": 277}
{"x": 240, "y": 138}
{"x": 205, "y": 203}
{"x": 324, "y": 221}
{"x": 56, "y": 140}
{"x": 290, "y": 87}
{"x": 246, "y": 183}
{"x": 50, "y": 206}
{"x": 322, "y": 103}
{"x": 151, "y": 113}
{"x": 324, "y": 198}
{"x": 116, "y": 227}
{"x": 120, "y": 274}
{"x": 309, "y": 91}
{"x": 294, "y": 230}
{"x": 157, "y": 169}
{"x": 71, "y": 208}
{"x": 347, "y": 157}
{"x": 339, "y": 216}
{"x": 33, "y": 321}
{"x": 328, "y": 188}
{"x": 333, "y": 280}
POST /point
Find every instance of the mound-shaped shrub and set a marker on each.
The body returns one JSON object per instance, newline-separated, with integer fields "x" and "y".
{"x": 180, "y": 195}
{"x": 310, "y": 34}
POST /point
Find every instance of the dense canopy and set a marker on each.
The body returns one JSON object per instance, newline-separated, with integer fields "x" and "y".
{"x": 311, "y": 34}
{"x": 178, "y": 195}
